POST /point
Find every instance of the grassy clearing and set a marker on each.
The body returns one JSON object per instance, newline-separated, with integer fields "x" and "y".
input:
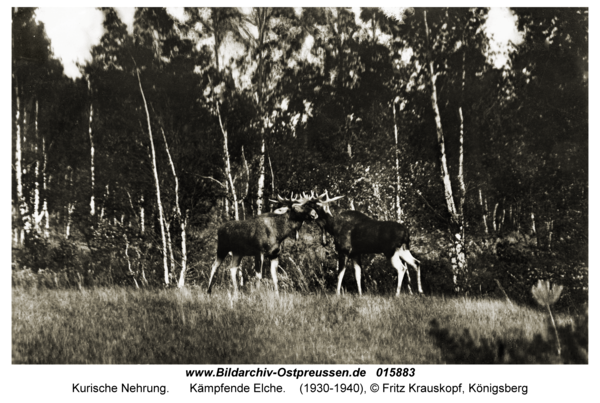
{"x": 122, "y": 325}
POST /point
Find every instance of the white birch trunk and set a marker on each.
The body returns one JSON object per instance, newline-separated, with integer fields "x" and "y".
{"x": 129, "y": 262}
{"x": 459, "y": 261}
{"x": 518, "y": 217}
{"x": 157, "y": 182}
{"x": 22, "y": 203}
{"x": 92, "y": 166}
{"x": 445, "y": 176}
{"x": 70, "y": 205}
{"x": 142, "y": 216}
{"x": 261, "y": 176}
{"x": 45, "y": 214}
{"x": 182, "y": 221}
{"x": 550, "y": 228}
{"x": 170, "y": 245}
{"x": 272, "y": 184}
{"x": 228, "y": 165}
{"x": 106, "y": 196}
{"x": 226, "y": 199}
{"x": 398, "y": 207}
{"x": 247, "y": 184}
{"x": 494, "y": 218}
{"x": 483, "y": 212}
{"x": 37, "y": 216}
{"x": 181, "y": 282}
{"x": 461, "y": 252}
{"x": 263, "y": 27}
{"x": 534, "y": 230}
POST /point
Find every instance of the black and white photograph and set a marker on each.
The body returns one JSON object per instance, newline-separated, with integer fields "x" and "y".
{"x": 294, "y": 188}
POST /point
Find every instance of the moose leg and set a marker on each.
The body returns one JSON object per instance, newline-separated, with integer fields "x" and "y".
{"x": 398, "y": 265}
{"x": 235, "y": 266}
{"x": 214, "y": 268}
{"x": 258, "y": 264}
{"x": 342, "y": 269}
{"x": 274, "y": 264}
{"x": 407, "y": 276}
{"x": 419, "y": 279}
{"x": 357, "y": 274}
{"x": 407, "y": 257}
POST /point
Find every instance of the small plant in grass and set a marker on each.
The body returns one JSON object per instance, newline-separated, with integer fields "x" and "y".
{"x": 545, "y": 295}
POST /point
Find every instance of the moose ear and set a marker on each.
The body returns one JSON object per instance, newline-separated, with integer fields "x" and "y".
{"x": 281, "y": 210}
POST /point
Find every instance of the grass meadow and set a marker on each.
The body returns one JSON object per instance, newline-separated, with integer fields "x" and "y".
{"x": 148, "y": 326}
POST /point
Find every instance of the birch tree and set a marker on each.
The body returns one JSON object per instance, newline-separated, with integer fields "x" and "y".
{"x": 22, "y": 203}
{"x": 92, "y": 152}
{"x": 219, "y": 22}
{"x": 182, "y": 220}
{"x": 157, "y": 183}
{"x": 256, "y": 34}
{"x": 439, "y": 39}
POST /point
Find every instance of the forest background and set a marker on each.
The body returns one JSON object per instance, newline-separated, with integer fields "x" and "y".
{"x": 123, "y": 175}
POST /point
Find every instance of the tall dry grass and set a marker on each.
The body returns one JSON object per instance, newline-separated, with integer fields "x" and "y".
{"x": 125, "y": 325}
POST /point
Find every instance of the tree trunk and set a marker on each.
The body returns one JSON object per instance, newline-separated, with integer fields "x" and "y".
{"x": 261, "y": 176}
{"x": 456, "y": 226}
{"x": 37, "y": 216}
{"x": 272, "y": 183}
{"x": 70, "y": 205}
{"x": 550, "y": 228}
{"x": 45, "y": 214}
{"x": 170, "y": 245}
{"x": 182, "y": 221}
{"x": 461, "y": 243}
{"x": 181, "y": 282}
{"x": 496, "y": 229}
{"x": 228, "y": 164}
{"x": 397, "y": 153}
{"x": 518, "y": 217}
{"x": 245, "y": 198}
{"x": 22, "y": 203}
{"x": 445, "y": 176}
{"x": 155, "y": 171}
{"x": 106, "y": 196}
{"x": 533, "y": 229}
{"x": 142, "y": 216}
{"x": 226, "y": 200}
{"x": 92, "y": 151}
{"x": 129, "y": 262}
{"x": 262, "y": 23}
{"x": 484, "y": 212}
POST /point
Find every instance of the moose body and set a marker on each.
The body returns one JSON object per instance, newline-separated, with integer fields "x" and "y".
{"x": 259, "y": 237}
{"x": 264, "y": 233}
{"x": 356, "y": 234}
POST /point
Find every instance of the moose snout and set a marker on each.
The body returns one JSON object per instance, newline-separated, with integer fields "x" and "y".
{"x": 313, "y": 214}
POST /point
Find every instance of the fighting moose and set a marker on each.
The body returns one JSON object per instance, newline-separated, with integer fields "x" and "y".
{"x": 353, "y": 232}
{"x": 261, "y": 236}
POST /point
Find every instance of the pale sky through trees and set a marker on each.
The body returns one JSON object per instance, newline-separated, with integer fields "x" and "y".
{"x": 73, "y": 31}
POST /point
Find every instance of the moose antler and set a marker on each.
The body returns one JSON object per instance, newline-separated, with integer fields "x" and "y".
{"x": 322, "y": 201}
{"x": 292, "y": 200}
{"x": 324, "y": 198}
